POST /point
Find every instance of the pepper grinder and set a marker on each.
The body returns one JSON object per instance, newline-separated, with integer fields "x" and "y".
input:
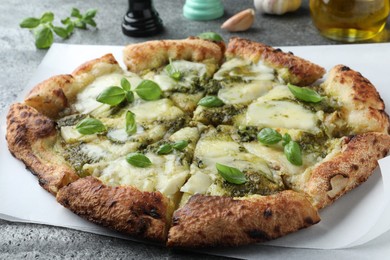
{"x": 203, "y": 10}
{"x": 141, "y": 19}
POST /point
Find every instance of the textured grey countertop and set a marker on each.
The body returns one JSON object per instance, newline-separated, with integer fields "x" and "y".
{"x": 20, "y": 58}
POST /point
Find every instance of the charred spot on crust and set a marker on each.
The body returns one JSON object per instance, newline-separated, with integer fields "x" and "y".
{"x": 153, "y": 213}
{"x": 267, "y": 213}
{"x": 345, "y": 68}
{"x": 309, "y": 221}
{"x": 354, "y": 167}
{"x": 175, "y": 221}
{"x": 258, "y": 234}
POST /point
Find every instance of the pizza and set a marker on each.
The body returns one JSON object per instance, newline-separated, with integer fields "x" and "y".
{"x": 198, "y": 144}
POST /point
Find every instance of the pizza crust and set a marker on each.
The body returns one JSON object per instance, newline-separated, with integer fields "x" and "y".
{"x": 290, "y": 68}
{"x": 155, "y": 54}
{"x": 363, "y": 108}
{"x": 125, "y": 209}
{"x": 31, "y": 138}
{"x": 347, "y": 169}
{"x": 206, "y": 221}
{"x": 54, "y": 95}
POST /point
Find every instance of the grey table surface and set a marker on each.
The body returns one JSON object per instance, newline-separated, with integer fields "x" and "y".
{"x": 19, "y": 59}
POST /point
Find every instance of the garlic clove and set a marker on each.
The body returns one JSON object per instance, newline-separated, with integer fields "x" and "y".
{"x": 240, "y": 22}
{"x": 278, "y": 7}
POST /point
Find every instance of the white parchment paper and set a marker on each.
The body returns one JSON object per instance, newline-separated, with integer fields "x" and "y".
{"x": 357, "y": 218}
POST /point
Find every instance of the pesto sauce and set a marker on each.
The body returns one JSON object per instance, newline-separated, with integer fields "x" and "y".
{"x": 314, "y": 143}
{"x": 70, "y": 120}
{"x": 248, "y": 133}
{"x": 220, "y": 115}
{"x": 257, "y": 183}
{"x": 76, "y": 158}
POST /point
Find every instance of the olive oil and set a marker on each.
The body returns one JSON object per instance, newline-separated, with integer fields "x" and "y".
{"x": 349, "y": 20}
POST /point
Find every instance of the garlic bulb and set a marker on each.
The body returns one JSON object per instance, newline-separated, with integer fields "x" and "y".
{"x": 277, "y": 6}
{"x": 240, "y": 22}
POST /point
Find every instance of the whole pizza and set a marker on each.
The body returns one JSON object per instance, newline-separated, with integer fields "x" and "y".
{"x": 199, "y": 144}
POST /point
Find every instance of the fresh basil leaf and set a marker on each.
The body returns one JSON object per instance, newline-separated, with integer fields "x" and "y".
{"x": 30, "y": 23}
{"x": 211, "y": 101}
{"x": 129, "y": 96}
{"x": 164, "y": 149}
{"x": 269, "y": 136}
{"x": 231, "y": 174}
{"x": 131, "y": 125}
{"x": 66, "y": 21}
{"x": 293, "y": 153}
{"x": 125, "y": 84}
{"x": 75, "y": 13}
{"x": 180, "y": 145}
{"x": 90, "y": 13}
{"x": 172, "y": 71}
{"x": 286, "y": 139}
{"x": 90, "y": 22}
{"x": 305, "y": 94}
{"x": 148, "y": 90}
{"x": 212, "y": 36}
{"x": 43, "y": 37}
{"x": 138, "y": 160}
{"x": 89, "y": 126}
{"x": 112, "y": 96}
{"x": 80, "y": 24}
{"x": 47, "y": 17}
{"x": 62, "y": 32}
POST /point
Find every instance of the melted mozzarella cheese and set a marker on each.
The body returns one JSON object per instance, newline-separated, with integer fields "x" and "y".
{"x": 165, "y": 174}
{"x": 212, "y": 150}
{"x": 151, "y": 111}
{"x": 243, "y": 93}
{"x": 281, "y": 114}
{"x": 245, "y": 69}
{"x": 71, "y": 135}
{"x": 189, "y": 71}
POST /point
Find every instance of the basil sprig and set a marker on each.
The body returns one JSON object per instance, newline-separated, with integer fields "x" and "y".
{"x": 138, "y": 160}
{"x": 89, "y": 126}
{"x": 172, "y": 71}
{"x": 305, "y": 94}
{"x": 212, "y": 36}
{"x": 168, "y": 148}
{"x": 211, "y": 101}
{"x": 131, "y": 125}
{"x": 292, "y": 150}
{"x": 44, "y": 30}
{"x": 115, "y": 95}
{"x": 231, "y": 174}
{"x": 148, "y": 90}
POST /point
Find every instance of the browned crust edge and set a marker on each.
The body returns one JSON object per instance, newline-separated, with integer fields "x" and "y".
{"x": 31, "y": 137}
{"x": 299, "y": 71}
{"x": 154, "y": 54}
{"x": 53, "y": 95}
{"x": 207, "y": 221}
{"x": 125, "y": 209}
{"x": 363, "y": 108}
{"x": 352, "y": 166}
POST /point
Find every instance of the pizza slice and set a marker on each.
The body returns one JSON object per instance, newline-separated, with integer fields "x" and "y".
{"x": 182, "y": 68}
{"x": 251, "y": 70}
{"x": 235, "y": 197}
